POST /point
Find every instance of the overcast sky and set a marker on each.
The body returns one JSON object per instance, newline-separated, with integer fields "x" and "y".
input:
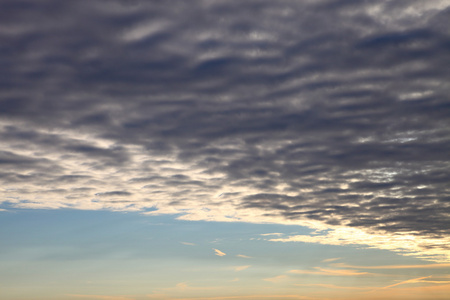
{"x": 330, "y": 115}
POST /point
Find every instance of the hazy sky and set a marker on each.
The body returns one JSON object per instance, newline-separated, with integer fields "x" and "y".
{"x": 216, "y": 149}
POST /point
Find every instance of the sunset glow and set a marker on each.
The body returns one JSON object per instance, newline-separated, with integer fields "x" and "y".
{"x": 224, "y": 149}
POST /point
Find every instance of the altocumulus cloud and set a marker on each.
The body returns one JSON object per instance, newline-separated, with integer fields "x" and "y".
{"x": 329, "y": 114}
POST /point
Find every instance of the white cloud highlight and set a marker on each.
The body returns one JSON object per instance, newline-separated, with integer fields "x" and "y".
{"x": 218, "y": 252}
{"x": 404, "y": 243}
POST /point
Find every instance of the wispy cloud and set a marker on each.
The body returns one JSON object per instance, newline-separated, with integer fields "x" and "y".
{"x": 414, "y": 280}
{"x": 249, "y": 297}
{"x": 330, "y": 272}
{"x": 435, "y": 292}
{"x": 276, "y": 278}
{"x": 331, "y": 259}
{"x": 243, "y": 256}
{"x": 188, "y": 244}
{"x": 100, "y": 297}
{"x": 274, "y": 233}
{"x": 424, "y": 266}
{"x": 241, "y": 268}
{"x": 333, "y": 286}
{"x": 185, "y": 287}
{"x": 218, "y": 252}
{"x": 182, "y": 285}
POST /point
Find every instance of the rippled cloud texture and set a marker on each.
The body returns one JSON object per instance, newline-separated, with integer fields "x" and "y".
{"x": 327, "y": 114}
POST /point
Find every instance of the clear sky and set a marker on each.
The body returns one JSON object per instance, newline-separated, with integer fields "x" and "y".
{"x": 224, "y": 149}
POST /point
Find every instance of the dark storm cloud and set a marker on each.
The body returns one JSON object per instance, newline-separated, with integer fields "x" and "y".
{"x": 325, "y": 110}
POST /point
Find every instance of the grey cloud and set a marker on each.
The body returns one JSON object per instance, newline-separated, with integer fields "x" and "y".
{"x": 113, "y": 193}
{"x": 323, "y": 110}
{"x": 9, "y": 158}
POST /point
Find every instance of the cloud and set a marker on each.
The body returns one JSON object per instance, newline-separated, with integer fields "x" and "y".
{"x": 275, "y": 233}
{"x": 276, "y": 278}
{"x": 414, "y": 280}
{"x": 401, "y": 243}
{"x": 330, "y": 272}
{"x": 393, "y": 267}
{"x": 331, "y": 259}
{"x": 418, "y": 292}
{"x": 100, "y": 297}
{"x": 241, "y": 268}
{"x": 268, "y": 297}
{"x": 243, "y": 256}
{"x": 218, "y": 252}
{"x": 158, "y": 296}
{"x": 332, "y": 286}
{"x": 188, "y": 244}
{"x": 316, "y": 113}
{"x": 182, "y": 287}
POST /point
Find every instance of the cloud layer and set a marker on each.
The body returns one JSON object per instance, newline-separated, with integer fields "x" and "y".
{"x": 329, "y": 114}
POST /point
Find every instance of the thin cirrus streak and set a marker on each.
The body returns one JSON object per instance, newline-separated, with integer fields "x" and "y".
{"x": 331, "y": 272}
{"x": 414, "y": 280}
{"x": 100, "y": 297}
{"x": 425, "y": 266}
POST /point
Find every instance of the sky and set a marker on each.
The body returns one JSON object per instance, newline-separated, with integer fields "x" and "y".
{"x": 224, "y": 149}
